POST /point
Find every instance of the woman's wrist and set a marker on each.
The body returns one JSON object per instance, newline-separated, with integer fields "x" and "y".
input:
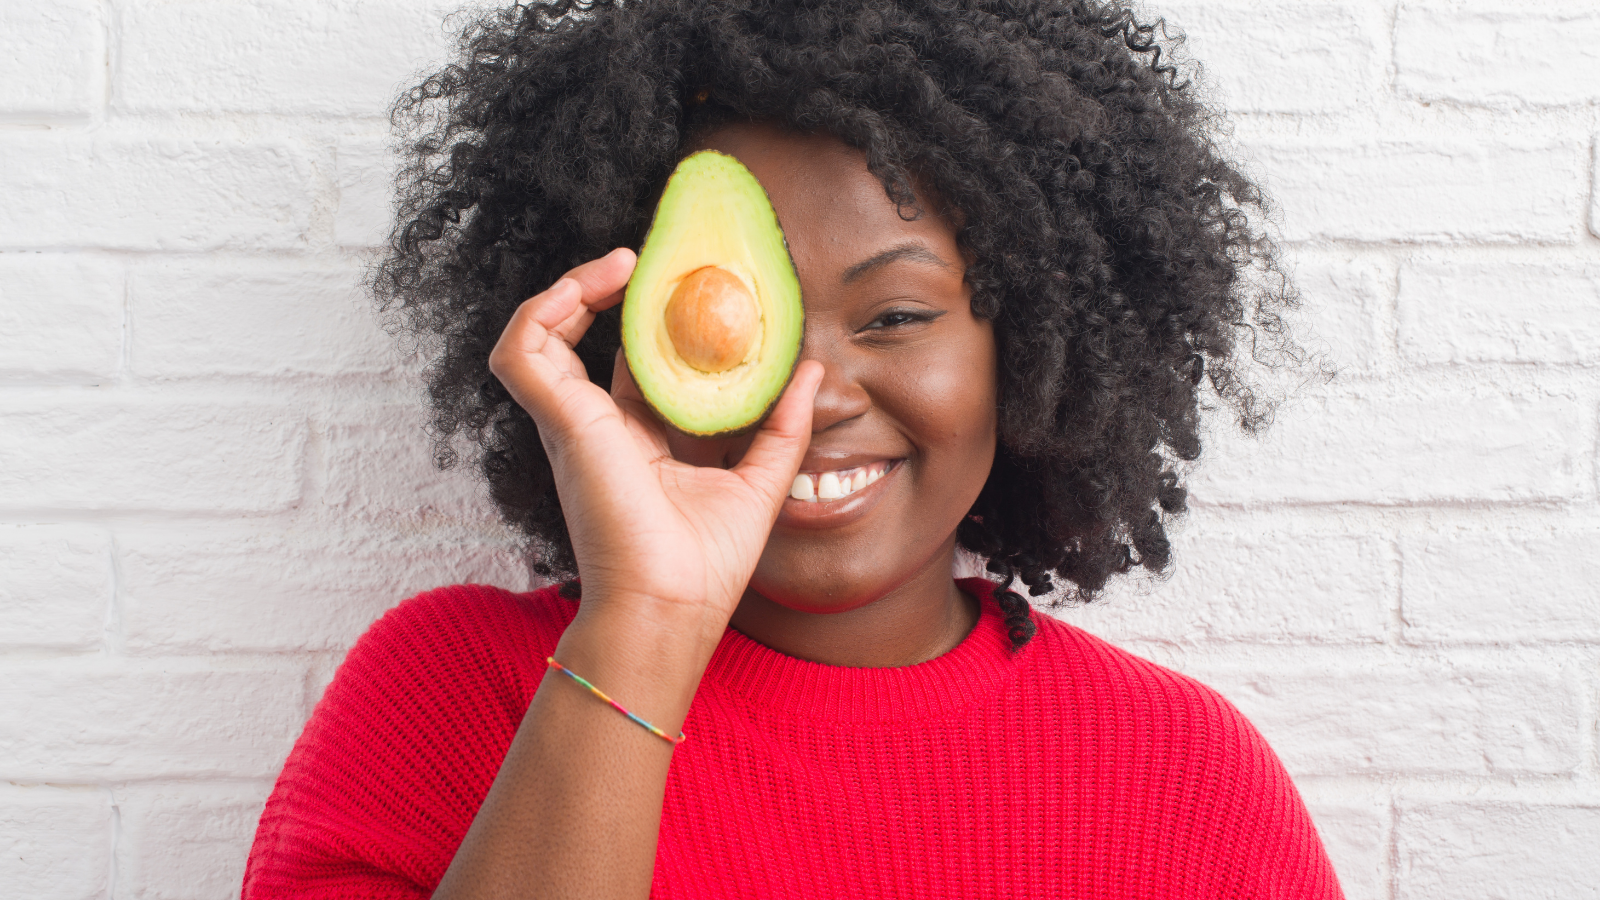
{"x": 646, "y": 654}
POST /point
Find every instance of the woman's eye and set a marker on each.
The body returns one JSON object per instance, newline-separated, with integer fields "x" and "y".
{"x": 898, "y": 318}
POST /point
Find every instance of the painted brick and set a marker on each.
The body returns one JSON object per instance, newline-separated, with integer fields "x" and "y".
{"x": 1342, "y": 313}
{"x": 1354, "y": 833}
{"x": 55, "y": 586}
{"x": 1474, "y": 311}
{"x": 1321, "y": 588}
{"x": 50, "y": 58}
{"x": 185, "y": 841}
{"x": 323, "y": 670}
{"x": 1502, "y": 586}
{"x": 136, "y": 454}
{"x": 195, "y": 318}
{"x": 151, "y": 192}
{"x": 345, "y": 57}
{"x": 1488, "y": 53}
{"x": 103, "y": 719}
{"x": 380, "y": 467}
{"x": 60, "y": 318}
{"x": 1411, "y": 718}
{"x": 1377, "y": 448}
{"x": 200, "y": 592}
{"x": 1444, "y": 191}
{"x": 55, "y": 843}
{"x": 1594, "y": 190}
{"x": 1312, "y": 57}
{"x": 364, "y": 171}
{"x": 1497, "y": 851}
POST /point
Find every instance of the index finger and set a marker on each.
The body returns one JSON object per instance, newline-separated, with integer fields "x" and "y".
{"x": 600, "y": 283}
{"x": 565, "y": 309}
{"x": 603, "y": 279}
{"x": 534, "y": 352}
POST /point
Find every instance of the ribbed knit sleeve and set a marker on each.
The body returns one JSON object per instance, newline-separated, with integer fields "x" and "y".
{"x": 1175, "y": 783}
{"x": 1277, "y": 849}
{"x": 400, "y": 752}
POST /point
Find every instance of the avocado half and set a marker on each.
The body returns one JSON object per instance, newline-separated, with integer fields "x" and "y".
{"x": 712, "y": 321}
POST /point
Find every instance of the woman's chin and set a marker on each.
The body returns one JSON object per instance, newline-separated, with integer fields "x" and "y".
{"x": 825, "y": 572}
{"x": 811, "y": 596}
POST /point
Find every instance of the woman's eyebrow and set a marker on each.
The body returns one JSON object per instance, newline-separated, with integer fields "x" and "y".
{"x": 911, "y": 251}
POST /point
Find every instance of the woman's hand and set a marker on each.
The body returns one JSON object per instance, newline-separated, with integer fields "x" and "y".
{"x": 664, "y": 538}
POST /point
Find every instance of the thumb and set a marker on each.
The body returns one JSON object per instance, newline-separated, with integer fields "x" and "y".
{"x": 772, "y": 460}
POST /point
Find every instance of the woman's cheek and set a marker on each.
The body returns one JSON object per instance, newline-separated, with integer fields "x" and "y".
{"x": 951, "y": 402}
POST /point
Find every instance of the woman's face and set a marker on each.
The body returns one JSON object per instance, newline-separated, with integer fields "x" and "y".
{"x": 909, "y": 391}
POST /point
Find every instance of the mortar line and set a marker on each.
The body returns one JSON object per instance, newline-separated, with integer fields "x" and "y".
{"x": 1590, "y": 225}
{"x": 112, "y": 623}
{"x": 1390, "y": 867}
{"x": 1592, "y": 422}
{"x": 116, "y": 844}
{"x": 116, "y": 641}
{"x": 1396, "y": 629}
{"x": 125, "y": 354}
{"x": 1589, "y": 737}
{"x": 107, "y": 35}
{"x": 1389, "y": 310}
{"x": 1392, "y": 65}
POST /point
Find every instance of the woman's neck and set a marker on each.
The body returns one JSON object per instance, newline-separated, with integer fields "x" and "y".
{"x": 925, "y": 617}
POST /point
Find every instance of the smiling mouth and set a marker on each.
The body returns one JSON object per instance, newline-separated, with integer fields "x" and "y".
{"x": 820, "y": 487}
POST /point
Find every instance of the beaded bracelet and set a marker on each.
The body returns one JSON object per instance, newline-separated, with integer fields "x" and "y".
{"x": 551, "y": 662}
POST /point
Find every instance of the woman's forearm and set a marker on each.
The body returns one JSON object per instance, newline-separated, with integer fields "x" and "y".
{"x": 576, "y": 807}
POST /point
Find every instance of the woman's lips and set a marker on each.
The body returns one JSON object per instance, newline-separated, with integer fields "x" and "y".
{"x": 832, "y": 498}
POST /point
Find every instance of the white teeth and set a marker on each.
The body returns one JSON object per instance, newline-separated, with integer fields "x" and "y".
{"x": 838, "y": 484}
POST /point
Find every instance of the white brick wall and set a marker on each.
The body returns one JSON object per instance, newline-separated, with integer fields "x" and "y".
{"x": 134, "y": 187}
{"x": 53, "y": 64}
{"x": 212, "y": 474}
{"x": 1479, "y": 53}
{"x": 55, "y": 842}
{"x": 1504, "y": 849}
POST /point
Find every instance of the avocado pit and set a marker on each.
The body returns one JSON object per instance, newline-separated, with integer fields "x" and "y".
{"x": 712, "y": 319}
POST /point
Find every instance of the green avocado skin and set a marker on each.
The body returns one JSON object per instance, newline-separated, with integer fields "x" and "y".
{"x": 713, "y": 212}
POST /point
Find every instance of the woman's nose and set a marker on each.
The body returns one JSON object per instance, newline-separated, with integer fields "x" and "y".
{"x": 841, "y": 396}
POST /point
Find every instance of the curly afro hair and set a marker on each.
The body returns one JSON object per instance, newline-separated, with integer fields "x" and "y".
{"x": 1115, "y": 248}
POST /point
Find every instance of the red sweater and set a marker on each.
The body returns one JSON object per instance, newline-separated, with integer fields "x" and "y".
{"x": 1071, "y": 769}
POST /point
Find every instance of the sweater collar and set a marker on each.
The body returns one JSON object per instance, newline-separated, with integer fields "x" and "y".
{"x": 778, "y": 685}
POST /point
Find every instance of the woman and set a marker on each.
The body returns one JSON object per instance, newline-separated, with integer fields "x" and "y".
{"x": 1020, "y": 259}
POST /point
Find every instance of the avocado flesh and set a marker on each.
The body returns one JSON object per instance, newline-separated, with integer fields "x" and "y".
{"x": 713, "y": 214}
